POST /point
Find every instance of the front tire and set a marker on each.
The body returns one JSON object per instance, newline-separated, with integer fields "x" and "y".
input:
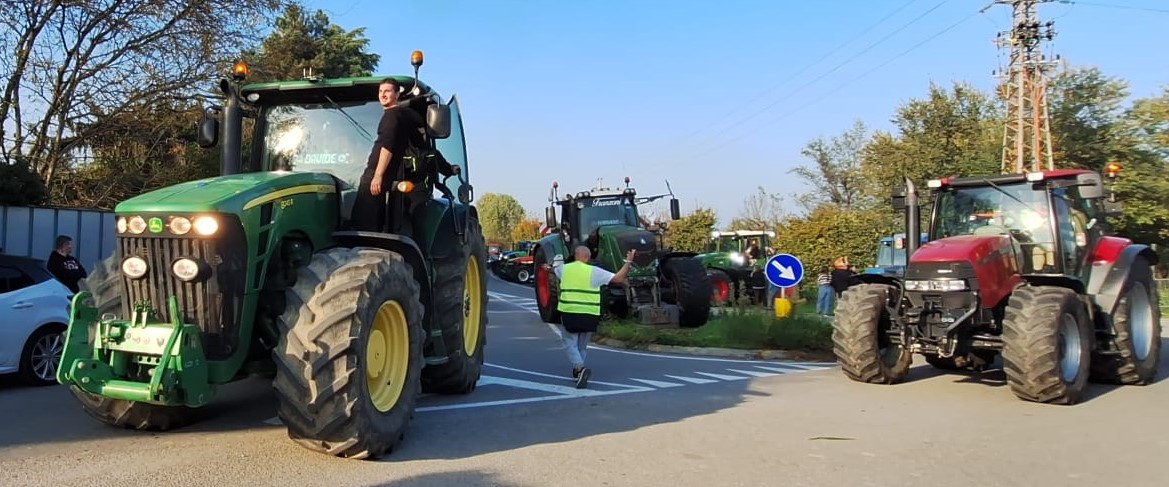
{"x": 692, "y": 290}
{"x": 1047, "y": 344}
{"x": 349, "y": 359}
{"x": 460, "y": 309}
{"x": 105, "y": 287}
{"x": 547, "y": 288}
{"x": 1138, "y": 334}
{"x": 860, "y": 339}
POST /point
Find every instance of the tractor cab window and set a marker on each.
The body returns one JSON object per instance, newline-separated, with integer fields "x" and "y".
{"x": 597, "y": 213}
{"x": 321, "y": 137}
{"x": 728, "y": 244}
{"x": 1017, "y": 210}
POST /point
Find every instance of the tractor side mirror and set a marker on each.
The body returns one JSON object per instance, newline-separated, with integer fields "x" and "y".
{"x": 550, "y": 217}
{"x": 466, "y": 194}
{"x": 438, "y": 121}
{"x": 899, "y": 199}
{"x": 208, "y": 131}
{"x": 675, "y": 209}
{"x": 1090, "y": 186}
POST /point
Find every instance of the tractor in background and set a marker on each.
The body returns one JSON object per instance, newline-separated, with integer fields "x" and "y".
{"x": 258, "y": 272}
{"x": 1017, "y": 265}
{"x": 891, "y": 255}
{"x": 663, "y": 287}
{"x": 734, "y": 262}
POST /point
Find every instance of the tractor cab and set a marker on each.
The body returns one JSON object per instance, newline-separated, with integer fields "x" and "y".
{"x": 1052, "y": 217}
{"x": 743, "y": 247}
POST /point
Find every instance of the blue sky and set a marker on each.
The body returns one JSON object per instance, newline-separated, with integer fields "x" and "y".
{"x": 718, "y": 97}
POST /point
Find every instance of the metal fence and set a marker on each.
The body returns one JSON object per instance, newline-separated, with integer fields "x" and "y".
{"x": 31, "y": 232}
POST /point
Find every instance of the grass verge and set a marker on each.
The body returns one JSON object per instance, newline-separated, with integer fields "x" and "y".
{"x": 738, "y": 328}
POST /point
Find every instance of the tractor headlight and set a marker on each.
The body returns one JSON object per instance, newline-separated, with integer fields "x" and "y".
{"x": 134, "y": 267}
{"x": 180, "y": 225}
{"x": 137, "y": 224}
{"x": 936, "y": 285}
{"x": 122, "y": 225}
{"x": 206, "y": 225}
{"x": 737, "y": 258}
{"x": 186, "y": 269}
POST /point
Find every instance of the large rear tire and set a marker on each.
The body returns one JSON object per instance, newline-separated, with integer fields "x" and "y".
{"x": 349, "y": 359}
{"x": 859, "y": 339}
{"x": 1047, "y": 344}
{"x": 460, "y": 310}
{"x": 692, "y": 290}
{"x": 547, "y": 288}
{"x": 105, "y": 286}
{"x": 1138, "y": 333}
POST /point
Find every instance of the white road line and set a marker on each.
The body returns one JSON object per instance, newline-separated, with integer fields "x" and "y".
{"x": 561, "y": 377}
{"x": 754, "y": 373}
{"x": 721, "y": 376}
{"x": 692, "y": 380}
{"x": 537, "y": 386}
{"x": 274, "y": 421}
{"x": 778, "y": 369}
{"x": 655, "y": 383}
{"x": 504, "y": 402}
{"x": 679, "y": 357}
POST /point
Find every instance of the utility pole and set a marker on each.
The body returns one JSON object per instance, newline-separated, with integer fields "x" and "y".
{"x": 1027, "y": 132}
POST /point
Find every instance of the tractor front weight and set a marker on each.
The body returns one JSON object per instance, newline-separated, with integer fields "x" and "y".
{"x": 141, "y": 360}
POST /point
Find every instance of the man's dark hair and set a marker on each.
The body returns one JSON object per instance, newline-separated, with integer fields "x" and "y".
{"x": 61, "y": 241}
{"x": 392, "y": 81}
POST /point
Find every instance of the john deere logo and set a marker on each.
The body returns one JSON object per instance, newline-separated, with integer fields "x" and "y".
{"x": 155, "y": 225}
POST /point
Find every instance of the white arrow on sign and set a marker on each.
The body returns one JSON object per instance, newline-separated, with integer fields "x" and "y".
{"x": 784, "y": 271}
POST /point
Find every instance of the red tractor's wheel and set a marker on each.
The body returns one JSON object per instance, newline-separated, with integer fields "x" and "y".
{"x": 721, "y": 284}
{"x": 547, "y": 290}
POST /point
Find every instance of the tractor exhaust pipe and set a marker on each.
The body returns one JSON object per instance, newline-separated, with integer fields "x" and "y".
{"x": 912, "y": 220}
{"x": 230, "y": 160}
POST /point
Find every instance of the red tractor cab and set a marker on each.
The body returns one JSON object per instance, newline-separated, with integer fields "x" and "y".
{"x": 1022, "y": 266}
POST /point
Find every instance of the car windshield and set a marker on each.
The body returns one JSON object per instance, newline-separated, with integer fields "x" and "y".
{"x": 321, "y": 137}
{"x": 599, "y": 212}
{"x": 1016, "y": 209}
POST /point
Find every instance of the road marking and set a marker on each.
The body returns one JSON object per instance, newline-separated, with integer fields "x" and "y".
{"x": 505, "y": 402}
{"x": 537, "y": 386}
{"x": 783, "y": 369}
{"x": 560, "y": 377}
{"x": 754, "y": 373}
{"x": 274, "y": 421}
{"x": 692, "y": 380}
{"x": 721, "y": 376}
{"x": 655, "y": 383}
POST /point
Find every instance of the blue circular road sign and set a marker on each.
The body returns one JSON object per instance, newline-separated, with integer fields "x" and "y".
{"x": 784, "y": 270}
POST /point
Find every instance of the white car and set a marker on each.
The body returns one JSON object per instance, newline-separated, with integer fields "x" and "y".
{"x": 34, "y": 309}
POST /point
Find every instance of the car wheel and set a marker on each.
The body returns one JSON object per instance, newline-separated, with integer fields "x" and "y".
{"x": 42, "y": 355}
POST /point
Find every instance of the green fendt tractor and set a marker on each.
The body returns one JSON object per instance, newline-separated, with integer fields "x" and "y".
{"x": 734, "y": 261}
{"x": 662, "y": 287}
{"x": 258, "y": 271}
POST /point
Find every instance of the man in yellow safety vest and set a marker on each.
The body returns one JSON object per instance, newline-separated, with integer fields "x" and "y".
{"x": 579, "y": 304}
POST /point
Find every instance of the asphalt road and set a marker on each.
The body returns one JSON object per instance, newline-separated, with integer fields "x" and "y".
{"x": 645, "y": 420}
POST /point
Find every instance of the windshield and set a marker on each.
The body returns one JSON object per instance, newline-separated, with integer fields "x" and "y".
{"x": 599, "y": 212}
{"x": 319, "y": 137}
{"x": 1017, "y": 210}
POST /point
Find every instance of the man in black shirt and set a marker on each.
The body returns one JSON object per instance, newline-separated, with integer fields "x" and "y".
{"x": 64, "y": 266}
{"x": 398, "y": 128}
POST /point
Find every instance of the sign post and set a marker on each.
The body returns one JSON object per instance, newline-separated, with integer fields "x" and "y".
{"x": 783, "y": 271}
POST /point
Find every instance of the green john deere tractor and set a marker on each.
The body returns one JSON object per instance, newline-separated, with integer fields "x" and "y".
{"x": 257, "y": 271}
{"x": 663, "y": 287}
{"x": 734, "y": 261}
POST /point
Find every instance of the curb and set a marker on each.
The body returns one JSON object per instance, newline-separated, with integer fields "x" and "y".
{"x": 736, "y": 353}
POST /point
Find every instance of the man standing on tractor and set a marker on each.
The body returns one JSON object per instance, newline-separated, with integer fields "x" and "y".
{"x": 398, "y": 128}
{"x": 580, "y": 304}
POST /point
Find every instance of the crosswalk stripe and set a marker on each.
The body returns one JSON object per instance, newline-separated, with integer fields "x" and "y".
{"x": 658, "y": 384}
{"x": 692, "y": 380}
{"x": 781, "y": 368}
{"x": 754, "y": 373}
{"x": 721, "y": 376}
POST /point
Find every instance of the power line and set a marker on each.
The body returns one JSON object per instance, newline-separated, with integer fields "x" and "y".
{"x": 804, "y": 69}
{"x": 1122, "y": 7}
{"x": 846, "y": 83}
{"x": 838, "y": 66}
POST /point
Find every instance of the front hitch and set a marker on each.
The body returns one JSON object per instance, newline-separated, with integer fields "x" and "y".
{"x": 140, "y": 360}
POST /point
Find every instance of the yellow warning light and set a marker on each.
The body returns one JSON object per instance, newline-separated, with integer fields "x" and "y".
{"x": 239, "y": 70}
{"x": 1112, "y": 169}
{"x": 416, "y": 59}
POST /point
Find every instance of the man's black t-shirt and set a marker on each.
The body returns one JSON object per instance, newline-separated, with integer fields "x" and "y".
{"x": 66, "y": 269}
{"x": 396, "y": 129}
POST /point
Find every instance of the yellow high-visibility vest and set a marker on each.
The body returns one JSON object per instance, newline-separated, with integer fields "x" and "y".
{"x": 576, "y": 296}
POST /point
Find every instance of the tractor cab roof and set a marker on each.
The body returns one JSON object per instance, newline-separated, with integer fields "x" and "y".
{"x": 743, "y": 233}
{"x": 362, "y": 88}
{"x": 1082, "y": 176}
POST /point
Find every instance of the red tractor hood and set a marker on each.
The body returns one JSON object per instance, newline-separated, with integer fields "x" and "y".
{"x": 990, "y": 259}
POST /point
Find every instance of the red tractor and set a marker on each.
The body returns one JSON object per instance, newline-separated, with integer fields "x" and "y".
{"x": 1017, "y": 265}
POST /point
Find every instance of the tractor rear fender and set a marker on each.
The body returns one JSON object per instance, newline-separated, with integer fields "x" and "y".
{"x": 552, "y": 245}
{"x": 673, "y": 255}
{"x": 1112, "y": 261}
{"x": 864, "y": 278}
{"x": 402, "y": 245}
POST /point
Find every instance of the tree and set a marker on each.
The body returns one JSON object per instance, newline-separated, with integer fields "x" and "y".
{"x": 301, "y": 42}
{"x": 691, "y": 232}
{"x": 1086, "y": 109}
{"x": 1143, "y": 183}
{"x": 836, "y": 172}
{"x": 761, "y": 211}
{"x": 498, "y": 214}
{"x": 526, "y": 229}
{"x": 71, "y": 63}
{"x": 19, "y": 186}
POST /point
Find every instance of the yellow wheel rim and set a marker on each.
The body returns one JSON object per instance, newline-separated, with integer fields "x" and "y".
{"x": 387, "y": 356}
{"x": 472, "y": 306}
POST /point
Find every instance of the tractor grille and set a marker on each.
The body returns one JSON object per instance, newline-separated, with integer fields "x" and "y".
{"x": 643, "y": 242}
{"x": 213, "y": 303}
